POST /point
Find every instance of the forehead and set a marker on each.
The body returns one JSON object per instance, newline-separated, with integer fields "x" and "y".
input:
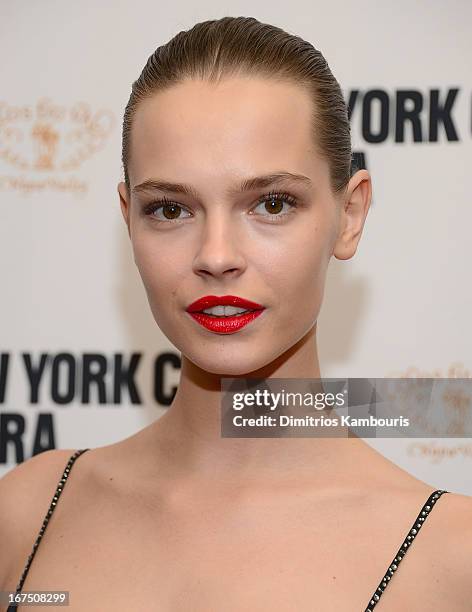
{"x": 199, "y": 130}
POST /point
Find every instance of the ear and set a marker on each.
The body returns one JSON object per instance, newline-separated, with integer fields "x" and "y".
{"x": 125, "y": 203}
{"x": 354, "y": 209}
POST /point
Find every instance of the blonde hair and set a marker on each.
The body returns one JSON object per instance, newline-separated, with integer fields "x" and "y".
{"x": 243, "y": 46}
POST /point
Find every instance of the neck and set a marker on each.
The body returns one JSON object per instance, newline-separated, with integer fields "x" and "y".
{"x": 190, "y": 430}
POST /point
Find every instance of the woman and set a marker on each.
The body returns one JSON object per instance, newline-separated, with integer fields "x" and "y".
{"x": 238, "y": 183}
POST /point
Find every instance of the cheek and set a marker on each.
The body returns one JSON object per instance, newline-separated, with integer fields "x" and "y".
{"x": 297, "y": 275}
{"x": 300, "y": 264}
{"x": 159, "y": 272}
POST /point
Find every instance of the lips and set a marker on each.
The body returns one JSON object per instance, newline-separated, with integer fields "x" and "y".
{"x": 224, "y": 325}
{"x": 208, "y": 301}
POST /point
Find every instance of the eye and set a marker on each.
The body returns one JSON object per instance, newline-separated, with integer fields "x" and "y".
{"x": 169, "y": 211}
{"x": 272, "y": 204}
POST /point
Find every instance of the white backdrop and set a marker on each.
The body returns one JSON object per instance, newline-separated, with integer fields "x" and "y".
{"x": 69, "y": 287}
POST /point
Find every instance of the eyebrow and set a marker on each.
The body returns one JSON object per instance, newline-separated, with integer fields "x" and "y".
{"x": 249, "y": 184}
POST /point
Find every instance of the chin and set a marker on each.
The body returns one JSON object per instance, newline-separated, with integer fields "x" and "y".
{"x": 229, "y": 366}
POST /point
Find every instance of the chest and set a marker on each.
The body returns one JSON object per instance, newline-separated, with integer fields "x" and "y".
{"x": 212, "y": 557}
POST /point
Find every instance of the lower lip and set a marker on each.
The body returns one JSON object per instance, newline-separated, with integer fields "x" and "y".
{"x": 225, "y": 325}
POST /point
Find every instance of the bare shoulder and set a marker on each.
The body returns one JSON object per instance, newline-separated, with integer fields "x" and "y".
{"x": 26, "y": 492}
{"x": 454, "y": 544}
{"x": 457, "y": 523}
{"x": 455, "y": 516}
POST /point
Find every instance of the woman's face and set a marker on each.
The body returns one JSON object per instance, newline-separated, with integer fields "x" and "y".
{"x": 221, "y": 240}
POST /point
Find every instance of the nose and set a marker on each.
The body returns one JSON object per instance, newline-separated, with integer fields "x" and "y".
{"x": 219, "y": 248}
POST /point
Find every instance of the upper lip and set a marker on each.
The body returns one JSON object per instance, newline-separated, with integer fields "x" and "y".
{"x": 208, "y": 301}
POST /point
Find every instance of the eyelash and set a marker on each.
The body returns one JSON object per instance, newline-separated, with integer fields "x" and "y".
{"x": 150, "y": 208}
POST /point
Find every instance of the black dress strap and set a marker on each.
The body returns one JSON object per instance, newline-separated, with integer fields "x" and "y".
{"x": 413, "y": 532}
{"x": 52, "y": 506}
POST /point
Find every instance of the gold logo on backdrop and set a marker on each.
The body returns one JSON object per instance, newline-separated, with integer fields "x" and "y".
{"x": 45, "y": 137}
{"x": 458, "y": 406}
{"x": 47, "y": 143}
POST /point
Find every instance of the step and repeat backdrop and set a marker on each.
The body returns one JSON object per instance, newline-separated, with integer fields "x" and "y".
{"x": 82, "y": 362}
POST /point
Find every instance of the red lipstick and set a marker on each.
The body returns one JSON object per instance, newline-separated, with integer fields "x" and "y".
{"x": 220, "y": 323}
